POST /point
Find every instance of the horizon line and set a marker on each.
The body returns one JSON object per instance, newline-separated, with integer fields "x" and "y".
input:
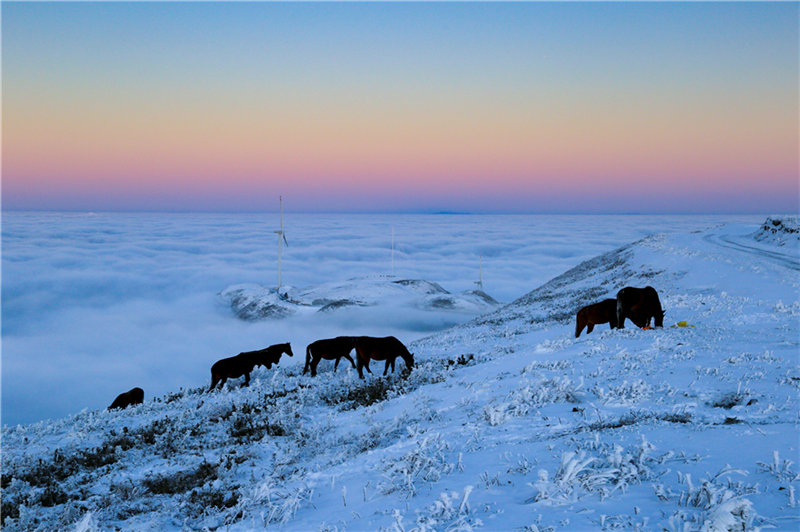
{"x": 403, "y": 212}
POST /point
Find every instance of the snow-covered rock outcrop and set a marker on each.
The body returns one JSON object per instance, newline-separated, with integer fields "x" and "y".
{"x": 255, "y": 302}
{"x": 780, "y": 230}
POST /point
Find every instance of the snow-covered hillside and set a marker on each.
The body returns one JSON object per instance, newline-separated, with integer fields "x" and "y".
{"x": 256, "y": 302}
{"x": 507, "y": 423}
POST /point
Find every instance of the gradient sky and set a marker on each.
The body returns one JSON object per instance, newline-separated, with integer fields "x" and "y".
{"x": 401, "y": 107}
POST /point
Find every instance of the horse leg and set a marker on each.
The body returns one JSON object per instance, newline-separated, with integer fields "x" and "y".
{"x": 579, "y": 325}
{"x": 246, "y": 379}
{"x": 386, "y": 369}
{"x": 214, "y": 381}
{"x": 348, "y": 357}
{"x": 589, "y": 327}
{"x": 336, "y": 364}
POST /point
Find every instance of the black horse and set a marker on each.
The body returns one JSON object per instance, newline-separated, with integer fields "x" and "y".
{"x": 639, "y": 305}
{"x": 388, "y": 349}
{"x": 329, "y": 349}
{"x": 591, "y": 315}
{"x": 134, "y": 396}
{"x": 243, "y": 364}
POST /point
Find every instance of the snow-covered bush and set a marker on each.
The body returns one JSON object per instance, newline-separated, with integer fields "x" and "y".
{"x": 426, "y": 462}
{"x": 599, "y": 468}
{"x": 521, "y": 401}
{"x": 449, "y": 512}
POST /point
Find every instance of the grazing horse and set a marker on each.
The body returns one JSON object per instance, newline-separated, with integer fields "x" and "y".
{"x": 134, "y": 396}
{"x": 388, "y": 349}
{"x": 329, "y": 349}
{"x": 639, "y": 305}
{"x": 591, "y": 315}
{"x": 243, "y": 364}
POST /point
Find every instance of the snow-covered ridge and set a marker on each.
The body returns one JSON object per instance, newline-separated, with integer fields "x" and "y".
{"x": 507, "y": 422}
{"x": 255, "y": 302}
{"x": 780, "y": 230}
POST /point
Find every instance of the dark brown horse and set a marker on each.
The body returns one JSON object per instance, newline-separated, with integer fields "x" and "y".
{"x": 134, "y": 396}
{"x": 329, "y": 349}
{"x": 388, "y": 349}
{"x": 243, "y": 364}
{"x": 591, "y": 315}
{"x": 639, "y": 305}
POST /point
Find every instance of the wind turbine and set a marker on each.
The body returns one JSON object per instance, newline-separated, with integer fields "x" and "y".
{"x": 479, "y": 282}
{"x": 281, "y": 241}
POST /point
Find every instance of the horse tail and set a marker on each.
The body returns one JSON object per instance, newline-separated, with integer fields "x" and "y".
{"x": 578, "y": 324}
{"x": 620, "y": 309}
{"x": 308, "y": 359}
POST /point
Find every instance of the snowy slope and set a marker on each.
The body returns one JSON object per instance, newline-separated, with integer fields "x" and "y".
{"x": 507, "y": 423}
{"x": 256, "y": 302}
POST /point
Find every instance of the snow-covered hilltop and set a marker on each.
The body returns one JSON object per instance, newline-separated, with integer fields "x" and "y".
{"x": 780, "y": 230}
{"x": 254, "y": 302}
{"x": 507, "y": 423}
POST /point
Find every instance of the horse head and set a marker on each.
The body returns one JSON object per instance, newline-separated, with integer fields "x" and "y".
{"x": 287, "y": 348}
{"x": 659, "y": 318}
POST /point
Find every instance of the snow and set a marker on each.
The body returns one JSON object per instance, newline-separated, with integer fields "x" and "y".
{"x": 256, "y": 302}
{"x": 506, "y": 423}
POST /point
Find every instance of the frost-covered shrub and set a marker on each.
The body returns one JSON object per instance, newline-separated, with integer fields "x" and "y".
{"x": 276, "y": 505}
{"x": 721, "y": 504}
{"x": 549, "y": 365}
{"x": 729, "y": 400}
{"x": 625, "y": 394}
{"x": 426, "y": 462}
{"x": 601, "y": 469}
{"x": 521, "y": 401}
{"x": 450, "y": 511}
{"x": 181, "y": 481}
{"x": 781, "y": 469}
{"x": 245, "y": 428}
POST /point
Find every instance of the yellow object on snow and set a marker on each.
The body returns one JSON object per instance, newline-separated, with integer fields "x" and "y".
{"x": 682, "y": 324}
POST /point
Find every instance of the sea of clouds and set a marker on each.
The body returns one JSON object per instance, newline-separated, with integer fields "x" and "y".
{"x": 95, "y": 304}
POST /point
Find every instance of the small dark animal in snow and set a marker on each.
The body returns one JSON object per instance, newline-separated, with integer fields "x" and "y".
{"x": 462, "y": 360}
{"x": 329, "y": 349}
{"x": 591, "y": 315}
{"x": 134, "y": 396}
{"x": 388, "y": 349}
{"x": 243, "y": 364}
{"x": 639, "y": 305}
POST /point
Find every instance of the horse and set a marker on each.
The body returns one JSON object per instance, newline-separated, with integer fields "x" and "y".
{"x": 243, "y": 364}
{"x": 591, "y": 315}
{"x": 329, "y": 349}
{"x": 134, "y": 396}
{"x": 388, "y": 349}
{"x": 639, "y": 305}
